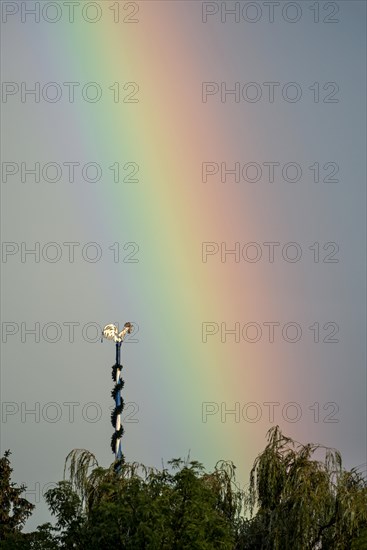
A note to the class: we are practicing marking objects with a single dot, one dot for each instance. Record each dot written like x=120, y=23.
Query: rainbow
x=170, y=212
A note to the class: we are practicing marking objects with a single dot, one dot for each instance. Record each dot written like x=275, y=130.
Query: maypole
x=110, y=332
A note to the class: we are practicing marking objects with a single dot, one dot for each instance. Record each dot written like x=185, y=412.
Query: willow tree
x=300, y=498
x=304, y=498
x=130, y=507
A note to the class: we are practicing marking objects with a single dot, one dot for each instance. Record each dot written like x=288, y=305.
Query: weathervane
x=110, y=332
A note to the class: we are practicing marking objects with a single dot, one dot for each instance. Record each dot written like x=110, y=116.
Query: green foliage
x=14, y=509
x=136, y=507
x=360, y=541
x=303, y=503
x=65, y=504
x=299, y=498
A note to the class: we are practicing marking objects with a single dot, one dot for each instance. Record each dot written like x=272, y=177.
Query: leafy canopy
x=300, y=498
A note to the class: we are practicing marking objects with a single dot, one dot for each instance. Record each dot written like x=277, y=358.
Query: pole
x=111, y=333
x=118, y=403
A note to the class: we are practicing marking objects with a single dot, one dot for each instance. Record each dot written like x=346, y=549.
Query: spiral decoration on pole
x=110, y=332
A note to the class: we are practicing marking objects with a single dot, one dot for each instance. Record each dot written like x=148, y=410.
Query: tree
x=14, y=509
x=300, y=498
x=303, y=503
x=360, y=541
x=131, y=506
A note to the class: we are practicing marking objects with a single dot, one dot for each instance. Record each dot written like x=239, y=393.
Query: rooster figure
x=110, y=332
